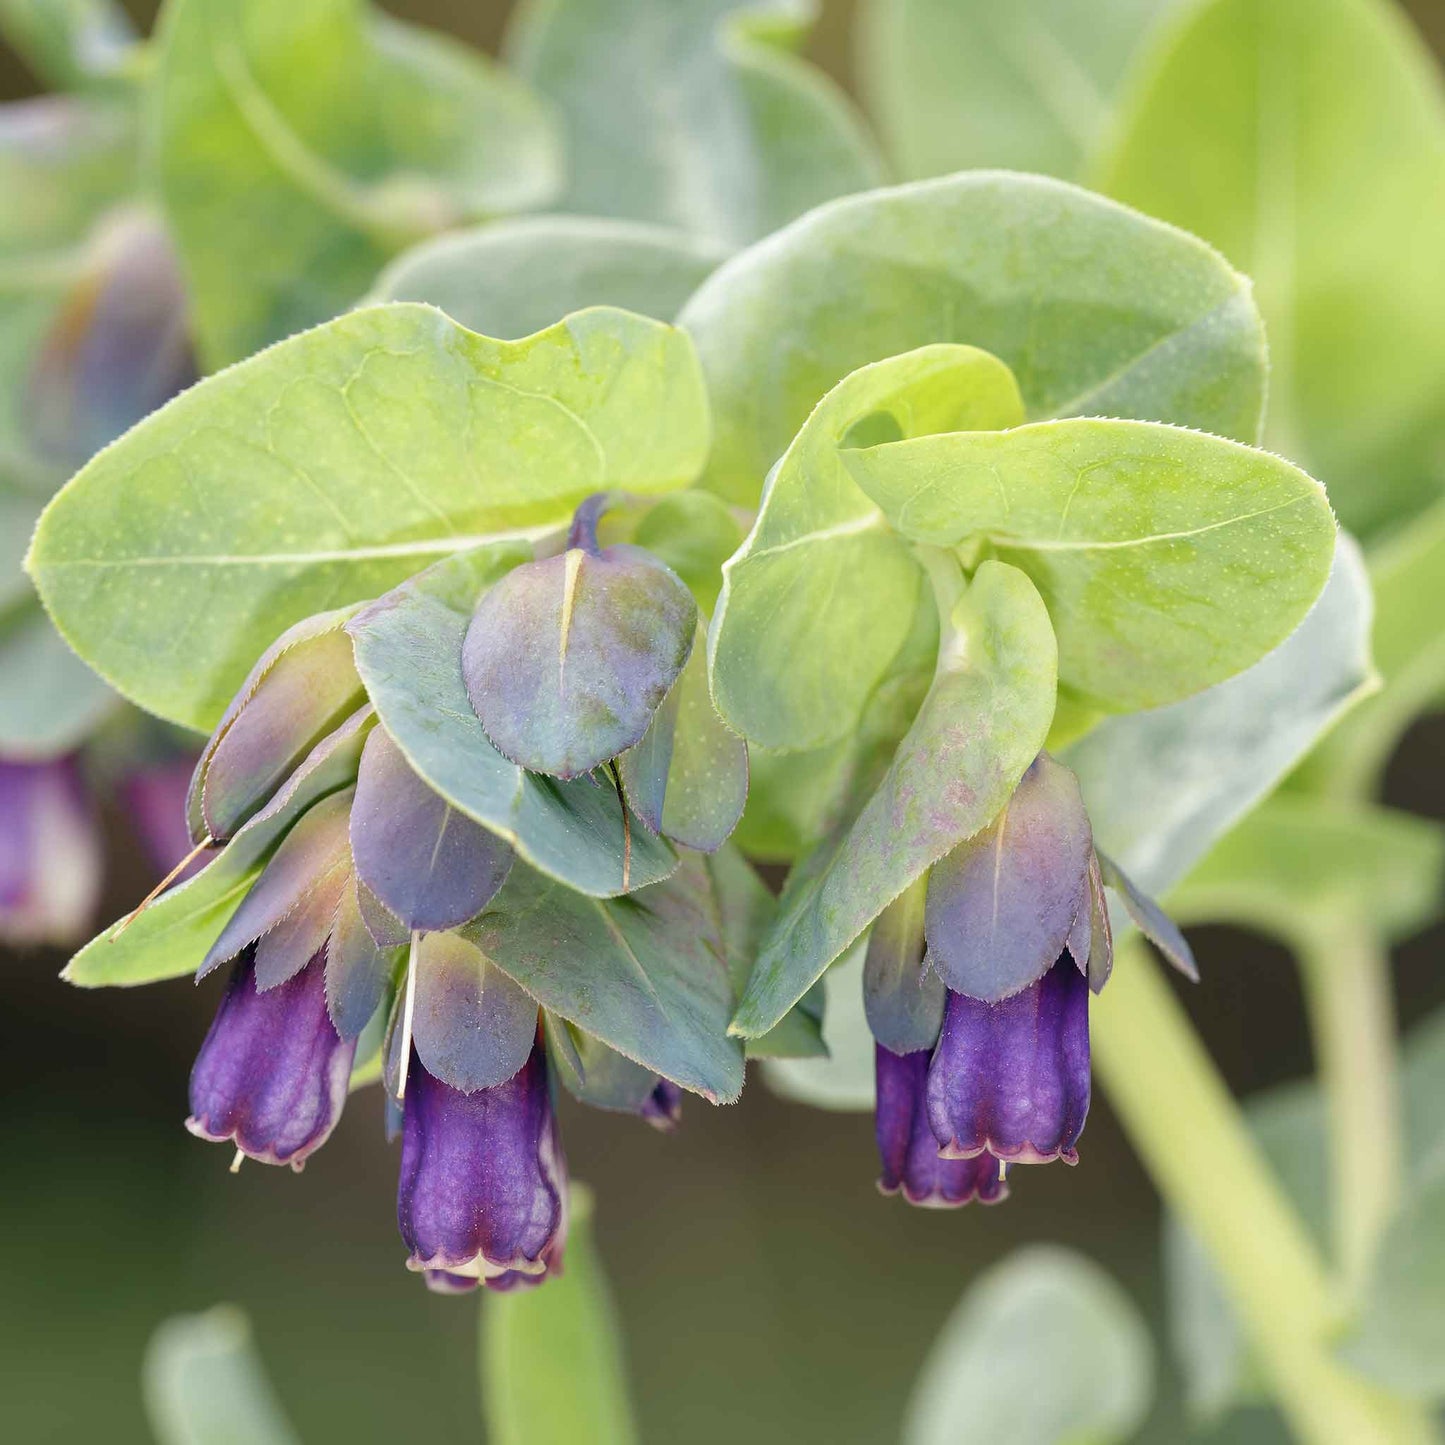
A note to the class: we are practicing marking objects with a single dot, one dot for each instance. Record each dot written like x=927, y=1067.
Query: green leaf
x=695, y=533
x=695, y=116
x=1407, y=574
x=819, y=600
x=511, y=278
x=1096, y=309
x=1306, y=139
x=1296, y=858
x=50, y=701
x=552, y=1363
x=335, y=465
x=301, y=146
x=960, y=84
x=1170, y=560
x=1044, y=1349
x=646, y=974
x=69, y=42
x=1162, y=786
x=204, y=1384
x=843, y=1082
x=408, y=651
x=173, y=935
x=983, y=722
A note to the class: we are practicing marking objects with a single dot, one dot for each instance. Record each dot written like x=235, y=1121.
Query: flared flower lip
x=296, y=1160
x=1010, y=1154
x=935, y=1199
x=479, y=1267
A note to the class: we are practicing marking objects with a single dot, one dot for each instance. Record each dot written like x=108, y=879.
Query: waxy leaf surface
x=429, y=865
x=959, y=84
x=409, y=652
x=1306, y=139
x=513, y=277
x=646, y=974
x=1170, y=560
x=301, y=146
x=174, y=934
x=566, y=659
x=983, y=722
x=1097, y=310
x=696, y=116
x=1162, y=786
x=820, y=598
x=335, y=465
x=473, y=1026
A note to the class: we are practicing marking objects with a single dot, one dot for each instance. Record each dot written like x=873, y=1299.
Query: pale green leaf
x=1032, y=86
x=173, y=935
x=69, y=42
x=552, y=1362
x=983, y=722
x=1162, y=786
x=1306, y=139
x=696, y=115
x=204, y=1384
x=1170, y=560
x=49, y=699
x=1097, y=310
x=333, y=466
x=646, y=974
x=1297, y=858
x=408, y=651
x=511, y=278
x=301, y=146
x=820, y=598
x=1044, y=1349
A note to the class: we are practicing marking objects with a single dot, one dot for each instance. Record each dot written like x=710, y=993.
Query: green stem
x=1349, y=991
x=1192, y=1138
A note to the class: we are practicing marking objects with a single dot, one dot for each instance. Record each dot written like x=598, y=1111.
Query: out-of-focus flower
x=51, y=856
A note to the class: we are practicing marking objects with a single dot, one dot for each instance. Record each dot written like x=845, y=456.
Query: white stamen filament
x=238, y=1161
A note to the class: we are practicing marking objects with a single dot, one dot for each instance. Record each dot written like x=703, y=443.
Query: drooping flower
x=912, y=1164
x=271, y=1077
x=50, y=852
x=483, y=1188
x=977, y=984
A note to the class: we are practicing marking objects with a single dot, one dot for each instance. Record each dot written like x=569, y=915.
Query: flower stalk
x=1193, y=1140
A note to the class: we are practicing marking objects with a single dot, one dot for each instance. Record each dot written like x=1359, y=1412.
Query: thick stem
x=1349, y=990
x=1192, y=1138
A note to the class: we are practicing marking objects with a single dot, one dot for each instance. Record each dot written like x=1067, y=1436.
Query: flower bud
x=272, y=1074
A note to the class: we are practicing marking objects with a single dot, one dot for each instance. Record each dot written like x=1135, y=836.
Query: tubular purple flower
x=483, y=1187
x=154, y=798
x=1012, y=1078
x=663, y=1106
x=272, y=1074
x=50, y=852
x=912, y=1164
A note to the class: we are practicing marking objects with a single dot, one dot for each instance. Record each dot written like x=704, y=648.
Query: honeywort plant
x=1307, y=142
x=967, y=623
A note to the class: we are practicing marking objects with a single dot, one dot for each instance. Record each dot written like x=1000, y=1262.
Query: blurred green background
x=765, y=1288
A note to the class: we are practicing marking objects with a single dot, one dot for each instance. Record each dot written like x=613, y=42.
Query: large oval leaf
x=335, y=465
x=820, y=598
x=692, y=115
x=409, y=653
x=511, y=278
x=1098, y=311
x=1170, y=560
x=301, y=146
x=1306, y=139
x=984, y=721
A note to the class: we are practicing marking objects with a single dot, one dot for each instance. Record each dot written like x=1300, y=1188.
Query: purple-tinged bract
x=483, y=1189
x=1012, y=1077
x=272, y=1074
